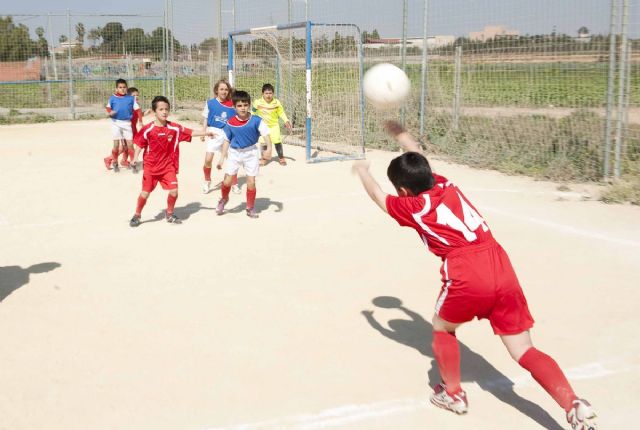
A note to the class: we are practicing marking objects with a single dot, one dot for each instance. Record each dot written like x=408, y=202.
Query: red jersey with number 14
x=442, y=216
x=161, y=145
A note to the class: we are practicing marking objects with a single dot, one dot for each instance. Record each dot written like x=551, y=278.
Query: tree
x=80, y=31
x=583, y=31
x=134, y=40
x=112, y=34
x=375, y=34
x=42, y=46
x=15, y=43
x=62, y=39
x=95, y=34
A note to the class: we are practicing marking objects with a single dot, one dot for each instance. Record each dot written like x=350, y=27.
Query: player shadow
x=262, y=204
x=14, y=277
x=417, y=333
x=182, y=212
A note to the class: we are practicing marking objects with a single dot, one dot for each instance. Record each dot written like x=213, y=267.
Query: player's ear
x=403, y=192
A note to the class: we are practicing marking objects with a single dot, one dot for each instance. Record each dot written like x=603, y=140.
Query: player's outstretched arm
x=403, y=137
x=223, y=154
x=361, y=168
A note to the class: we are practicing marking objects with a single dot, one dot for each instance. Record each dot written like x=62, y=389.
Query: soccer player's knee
x=144, y=194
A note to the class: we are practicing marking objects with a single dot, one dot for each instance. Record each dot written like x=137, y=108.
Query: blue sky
x=194, y=20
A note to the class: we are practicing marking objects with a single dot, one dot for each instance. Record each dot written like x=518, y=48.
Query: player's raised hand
x=360, y=166
x=404, y=138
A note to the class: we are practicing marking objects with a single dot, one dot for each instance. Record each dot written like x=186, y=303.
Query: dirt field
x=231, y=323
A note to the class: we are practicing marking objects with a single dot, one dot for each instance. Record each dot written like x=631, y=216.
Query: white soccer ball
x=386, y=86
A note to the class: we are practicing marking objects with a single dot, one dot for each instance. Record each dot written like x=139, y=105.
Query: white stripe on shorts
x=443, y=296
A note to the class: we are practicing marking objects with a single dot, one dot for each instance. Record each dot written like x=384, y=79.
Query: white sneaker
x=206, y=187
x=236, y=189
x=456, y=403
x=581, y=416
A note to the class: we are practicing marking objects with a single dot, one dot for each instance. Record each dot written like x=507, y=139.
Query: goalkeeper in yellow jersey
x=271, y=111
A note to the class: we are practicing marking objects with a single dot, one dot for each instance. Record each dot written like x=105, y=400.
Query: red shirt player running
x=477, y=277
x=160, y=141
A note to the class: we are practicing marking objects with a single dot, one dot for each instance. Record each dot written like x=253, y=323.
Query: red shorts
x=168, y=181
x=479, y=281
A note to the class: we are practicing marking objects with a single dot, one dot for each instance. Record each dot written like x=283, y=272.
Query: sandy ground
x=233, y=323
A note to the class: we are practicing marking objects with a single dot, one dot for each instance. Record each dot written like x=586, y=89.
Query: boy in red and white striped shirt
x=477, y=276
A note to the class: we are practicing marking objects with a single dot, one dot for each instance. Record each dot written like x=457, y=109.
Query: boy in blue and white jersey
x=120, y=108
x=241, y=138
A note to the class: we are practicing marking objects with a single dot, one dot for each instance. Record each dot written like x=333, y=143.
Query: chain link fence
x=546, y=88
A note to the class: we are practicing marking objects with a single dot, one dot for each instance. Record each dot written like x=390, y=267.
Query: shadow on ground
x=14, y=277
x=417, y=333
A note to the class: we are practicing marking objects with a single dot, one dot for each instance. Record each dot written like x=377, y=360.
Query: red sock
x=114, y=155
x=171, y=202
x=141, y=202
x=234, y=181
x=225, y=191
x=548, y=374
x=447, y=354
x=207, y=173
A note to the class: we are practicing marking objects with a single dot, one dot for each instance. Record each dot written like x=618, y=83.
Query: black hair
x=268, y=87
x=411, y=170
x=132, y=90
x=158, y=99
x=121, y=81
x=240, y=96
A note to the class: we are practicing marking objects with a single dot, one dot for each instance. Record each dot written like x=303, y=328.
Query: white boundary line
x=341, y=415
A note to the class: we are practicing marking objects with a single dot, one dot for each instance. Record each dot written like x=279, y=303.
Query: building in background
x=493, y=32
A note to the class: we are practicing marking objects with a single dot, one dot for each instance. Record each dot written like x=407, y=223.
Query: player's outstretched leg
x=251, y=197
x=548, y=374
x=280, y=152
x=142, y=200
x=449, y=394
x=225, y=189
x=171, y=203
x=208, y=162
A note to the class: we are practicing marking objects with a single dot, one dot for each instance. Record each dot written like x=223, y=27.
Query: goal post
x=317, y=72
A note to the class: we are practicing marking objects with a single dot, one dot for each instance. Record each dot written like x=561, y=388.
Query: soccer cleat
x=172, y=219
x=116, y=168
x=236, y=189
x=206, y=187
x=456, y=403
x=107, y=162
x=220, y=207
x=282, y=161
x=135, y=221
x=125, y=164
x=251, y=213
x=581, y=416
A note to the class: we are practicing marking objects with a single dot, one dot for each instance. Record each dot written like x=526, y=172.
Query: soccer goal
x=317, y=71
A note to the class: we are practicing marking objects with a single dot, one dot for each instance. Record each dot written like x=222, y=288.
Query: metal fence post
x=72, y=104
x=405, y=13
x=423, y=70
x=610, y=90
x=219, y=41
x=621, y=88
x=457, y=88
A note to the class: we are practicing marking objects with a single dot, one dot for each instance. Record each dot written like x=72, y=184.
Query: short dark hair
x=411, y=170
x=158, y=99
x=268, y=87
x=121, y=81
x=240, y=96
x=132, y=90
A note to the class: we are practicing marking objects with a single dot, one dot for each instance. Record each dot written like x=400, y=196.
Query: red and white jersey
x=442, y=216
x=161, y=145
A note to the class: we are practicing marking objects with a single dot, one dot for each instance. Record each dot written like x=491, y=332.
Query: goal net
x=316, y=70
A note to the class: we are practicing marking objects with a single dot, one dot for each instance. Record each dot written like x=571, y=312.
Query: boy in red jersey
x=478, y=279
x=160, y=140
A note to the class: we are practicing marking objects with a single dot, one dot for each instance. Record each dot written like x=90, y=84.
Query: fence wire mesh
x=546, y=88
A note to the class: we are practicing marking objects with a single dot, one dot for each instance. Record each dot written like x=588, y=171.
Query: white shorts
x=214, y=144
x=249, y=158
x=121, y=129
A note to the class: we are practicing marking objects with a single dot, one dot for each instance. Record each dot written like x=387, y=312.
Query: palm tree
x=81, y=31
